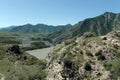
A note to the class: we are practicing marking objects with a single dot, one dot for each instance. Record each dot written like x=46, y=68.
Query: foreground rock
x=86, y=58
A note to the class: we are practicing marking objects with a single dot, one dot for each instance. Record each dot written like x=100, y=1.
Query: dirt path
x=40, y=53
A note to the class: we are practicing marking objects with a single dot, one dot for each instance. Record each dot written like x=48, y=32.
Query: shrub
x=99, y=55
x=88, y=53
x=88, y=34
x=87, y=66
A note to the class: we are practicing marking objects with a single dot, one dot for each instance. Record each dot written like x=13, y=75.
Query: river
x=40, y=53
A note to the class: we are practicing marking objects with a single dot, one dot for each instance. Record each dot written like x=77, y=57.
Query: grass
x=22, y=72
x=20, y=66
x=9, y=40
x=114, y=67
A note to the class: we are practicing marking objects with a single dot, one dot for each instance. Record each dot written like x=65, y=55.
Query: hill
x=99, y=25
x=16, y=64
x=38, y=28
x=86, y=58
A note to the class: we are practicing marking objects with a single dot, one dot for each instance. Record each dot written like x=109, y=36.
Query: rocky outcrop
x=85, y=58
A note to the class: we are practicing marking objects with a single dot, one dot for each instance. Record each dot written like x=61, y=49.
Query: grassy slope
x=20, y=66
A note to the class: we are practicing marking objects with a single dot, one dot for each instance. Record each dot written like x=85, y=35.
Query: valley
x=88, y=50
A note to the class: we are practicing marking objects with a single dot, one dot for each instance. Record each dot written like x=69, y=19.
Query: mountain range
x=38, y=28
x=99, y=25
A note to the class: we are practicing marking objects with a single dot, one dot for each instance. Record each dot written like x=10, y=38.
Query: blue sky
x=53, y=12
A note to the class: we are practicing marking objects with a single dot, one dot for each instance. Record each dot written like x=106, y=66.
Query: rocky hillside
x=86, y=58
x=99, y=25
x=38, y=28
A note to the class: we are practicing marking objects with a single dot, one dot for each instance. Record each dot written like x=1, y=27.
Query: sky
x=53, y=12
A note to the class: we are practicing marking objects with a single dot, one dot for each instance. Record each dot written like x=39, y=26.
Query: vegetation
x=118, y=54
x=88, y=53
x=69, y=41
x=21, y=72
x=87, y=66
x=18, y=65
x=9, y=40
x=15, y=61
x=35, y=45
x=68, y=57
x=114, y=67
x=99, y=55
x=97, y=25
x=38, y=28
x=83, y=58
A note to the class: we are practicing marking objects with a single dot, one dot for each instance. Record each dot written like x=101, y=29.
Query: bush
x=88, y=34
x=99, y=55
x=88, y=53
x=87, y=66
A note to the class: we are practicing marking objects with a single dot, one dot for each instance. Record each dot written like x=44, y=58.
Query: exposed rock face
x=85, y=58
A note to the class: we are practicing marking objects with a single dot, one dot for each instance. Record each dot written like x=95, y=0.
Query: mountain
x=86, y=58
x=38, y=28
x=99, y=25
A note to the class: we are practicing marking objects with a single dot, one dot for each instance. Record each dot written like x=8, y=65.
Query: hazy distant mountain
x=99, y=25
x=39, y=28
